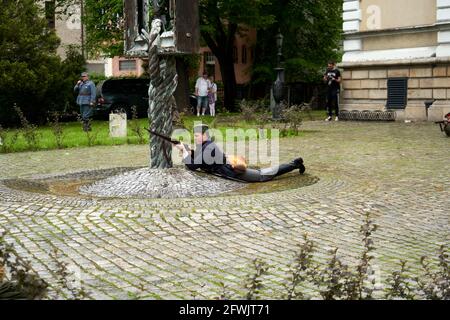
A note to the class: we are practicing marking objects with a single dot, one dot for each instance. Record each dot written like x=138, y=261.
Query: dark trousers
x=333, y=103
x=266, y=174
x=86, y=114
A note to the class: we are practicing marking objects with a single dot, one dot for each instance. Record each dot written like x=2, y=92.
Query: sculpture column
x=163, y=82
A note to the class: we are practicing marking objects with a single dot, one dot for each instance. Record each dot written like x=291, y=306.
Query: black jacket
x=209, y=158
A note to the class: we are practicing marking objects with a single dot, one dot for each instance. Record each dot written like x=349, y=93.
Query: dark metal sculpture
x=174, y=30
x=279, y=82
x=163, y=82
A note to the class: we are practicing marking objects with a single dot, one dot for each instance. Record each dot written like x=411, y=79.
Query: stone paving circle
x=184, y=248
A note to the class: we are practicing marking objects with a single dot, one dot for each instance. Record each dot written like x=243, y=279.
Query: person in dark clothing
x=333, y=79
x=208, y=157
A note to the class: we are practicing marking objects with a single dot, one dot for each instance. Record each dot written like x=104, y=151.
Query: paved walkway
x=185, y=248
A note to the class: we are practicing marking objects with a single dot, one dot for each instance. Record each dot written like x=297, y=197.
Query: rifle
x=168, y=139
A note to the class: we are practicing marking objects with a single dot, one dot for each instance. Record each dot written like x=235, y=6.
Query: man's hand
x=184, y=149
x=180, y=147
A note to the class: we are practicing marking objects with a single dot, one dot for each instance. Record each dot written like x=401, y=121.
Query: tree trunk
x=229, y=82
x=182, y=92
x=221, y=45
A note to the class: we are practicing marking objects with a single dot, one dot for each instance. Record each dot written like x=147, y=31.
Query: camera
x=330, y=79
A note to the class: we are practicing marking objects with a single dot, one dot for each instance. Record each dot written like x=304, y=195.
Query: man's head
x=205, y=75
x=201, y=133
x=84, y=76
x=331, y=64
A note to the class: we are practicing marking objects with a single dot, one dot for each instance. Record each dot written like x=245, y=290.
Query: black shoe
x=302, y=169
x=298, y=162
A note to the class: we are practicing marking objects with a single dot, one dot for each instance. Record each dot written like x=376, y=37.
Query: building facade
x=71, y=32
x=397, y=57
x=243, y=57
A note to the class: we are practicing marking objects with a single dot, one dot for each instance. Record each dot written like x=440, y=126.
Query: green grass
x=74, y=137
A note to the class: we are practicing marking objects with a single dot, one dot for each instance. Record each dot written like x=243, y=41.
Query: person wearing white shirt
x=201, y=91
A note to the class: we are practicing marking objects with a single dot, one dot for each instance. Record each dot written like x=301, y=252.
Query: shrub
x=135, y=126
x=7, y=140
x=19, y=281
x=292, y=118
x=57, y=129
x=29, y=131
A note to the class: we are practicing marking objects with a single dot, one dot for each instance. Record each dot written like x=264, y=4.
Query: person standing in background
x=332, y=78
x=201, y=91
x=212, y=96
x=87, y=95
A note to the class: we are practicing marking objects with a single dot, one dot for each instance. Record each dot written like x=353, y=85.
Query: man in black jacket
x=333, y=79
x=208, y=157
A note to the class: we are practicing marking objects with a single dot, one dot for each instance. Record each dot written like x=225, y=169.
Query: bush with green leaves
x=29, y=131
x=136, y=127
x=33, y=76
x=292, y=117
x=57, y=129
x=7, y=140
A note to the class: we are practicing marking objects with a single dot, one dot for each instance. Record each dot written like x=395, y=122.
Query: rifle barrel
x=173, y=141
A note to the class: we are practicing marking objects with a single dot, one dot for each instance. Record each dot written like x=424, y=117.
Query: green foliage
x=57, y=129
x=29, y=131
x=136, y=126
x=292, y=118
x=33, y=76
x=7, y=140
x=105, y=27
x=312, y=31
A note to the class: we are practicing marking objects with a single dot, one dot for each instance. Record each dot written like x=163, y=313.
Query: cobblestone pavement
x=185, y=248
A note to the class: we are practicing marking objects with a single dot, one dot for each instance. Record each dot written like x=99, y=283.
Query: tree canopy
x=32, y=75
x=312, y=32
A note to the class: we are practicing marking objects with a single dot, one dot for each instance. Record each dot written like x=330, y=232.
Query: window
x=127, y=65
x=397, y=93
x=252, y=54
x=244, y=54
x=50, y=14
x=235, y=54
x=209, y=58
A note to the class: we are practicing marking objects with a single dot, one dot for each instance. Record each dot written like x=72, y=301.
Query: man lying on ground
x=208, y=157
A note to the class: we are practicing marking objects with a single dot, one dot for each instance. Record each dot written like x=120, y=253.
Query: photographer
x=86, y=99
x=333, y=79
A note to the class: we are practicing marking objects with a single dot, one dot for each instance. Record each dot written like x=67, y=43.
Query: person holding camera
x=86, y=99
x=332, y=78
